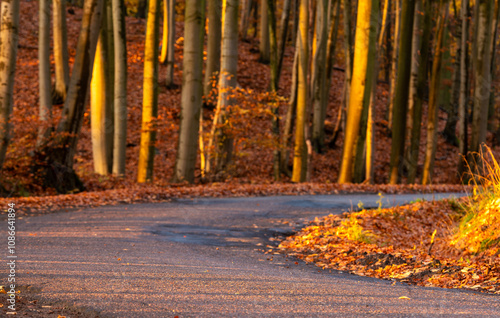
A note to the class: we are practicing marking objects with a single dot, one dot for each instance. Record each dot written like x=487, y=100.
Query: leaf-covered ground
x=411, y=244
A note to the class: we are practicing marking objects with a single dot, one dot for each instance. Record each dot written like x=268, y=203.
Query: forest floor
x=251, y=174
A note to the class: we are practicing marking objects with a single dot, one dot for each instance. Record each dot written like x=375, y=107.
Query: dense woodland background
x=48, y=152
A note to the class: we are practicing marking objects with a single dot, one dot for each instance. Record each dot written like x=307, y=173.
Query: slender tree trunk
x=9, y=35
x=394, y=60
x=120, y=88
x=300, y=153
x=482, y=76
x=421, y=33
x=464, y=88
x=290, y=114
x=45, y=106
x=400, y=103
x=264, y=34
x=285, y=17
x=246, y=11
x=61, y=58
x=319, y=89
x=360, y=84
x=213, y=51
x=169, y=78
x=494, y=34
x=150, y=96
x=432, y=117
x=221, y=138
x=192, y=87
x=55, y=161
x=273, y=48
x=349, y=53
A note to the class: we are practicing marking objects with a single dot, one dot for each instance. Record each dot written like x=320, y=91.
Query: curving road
x=201, y=258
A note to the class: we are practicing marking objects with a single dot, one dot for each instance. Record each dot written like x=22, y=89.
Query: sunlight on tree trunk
x=61, y=58
x=192, y=87
x=300, y=153
x=150, y=96
x=394, y=60
x=360, y=89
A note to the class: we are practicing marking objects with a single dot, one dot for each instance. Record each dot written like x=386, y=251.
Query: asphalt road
x=199, y=258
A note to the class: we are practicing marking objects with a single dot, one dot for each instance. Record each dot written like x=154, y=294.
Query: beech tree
x=120, y=87
x=9, y=35
x=149, y=96
x=264, y=34
x=400, y=104
x=167, y=51
x=360, y=88
x=192, y=88
x=55, y=160
x=220, y=139
x=213, y=47
x=45, y=91
x=61, y=58
x=300, y=153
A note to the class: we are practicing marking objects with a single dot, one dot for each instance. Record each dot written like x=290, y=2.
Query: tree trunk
x=300, y=153
x=150, y=96
x=264, y=34
x=432, y=117
x=55, y=160
x=246, y=11
x=319, y=89
x=464, y=88
x=101, y=105
x=221, y=138
x=45, y=106
x=290, y=114
x=169, y=77
x=285, y=17
x=192, y=87
x=494, y=34
x=400, y=104
x=273, y=49
x=349, y=53
x=213, y=51
x=418, y=83
x=482, y=77
x=360, y=84
x=120, y=88
x=61, y=58
x=9, y=35
x=394, y=60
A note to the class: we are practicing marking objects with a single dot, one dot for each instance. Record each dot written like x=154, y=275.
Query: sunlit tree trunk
x=264, y=34
x=221, y=138
x=432, y=119
x=45, y=101
x=192, y=88
x=170, y=57
x=319, y=89
x=300, y=153
x=61, y=58
x=9, y=35
x=57, y=158
x=150, y=96
x=213, y=50
x=418, y=83
x=120, y=88
x=400, y=104
x=360, y=90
